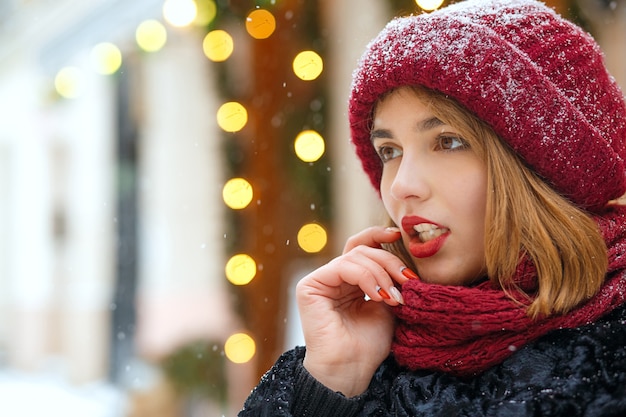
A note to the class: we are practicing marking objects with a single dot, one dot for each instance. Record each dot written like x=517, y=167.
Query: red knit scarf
x=464, y=331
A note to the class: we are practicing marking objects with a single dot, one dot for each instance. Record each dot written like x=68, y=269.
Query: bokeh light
x=151, y=35
x=207, y=10
x=260, y=24
x=69, y=82
x=179, y=13
x=309, y=146
x=240, y=269
x=429, y=4
x=237, y=193
x=312, y=238
x=232, y=116
x=308, y=65
x=106, y=58
x=218, y=45
x=239, y=348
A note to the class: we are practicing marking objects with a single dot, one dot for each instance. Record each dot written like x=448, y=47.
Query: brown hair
x=525, y=217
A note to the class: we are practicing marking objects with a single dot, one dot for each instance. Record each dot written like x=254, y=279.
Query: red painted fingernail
x=383, y=293
x=409, y=273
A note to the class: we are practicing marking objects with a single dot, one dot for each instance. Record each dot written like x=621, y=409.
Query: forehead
x=404, y=91
x=397, y=97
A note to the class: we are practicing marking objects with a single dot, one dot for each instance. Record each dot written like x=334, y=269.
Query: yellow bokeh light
x=312, y=238
x=240, y=269
x=69, y=82
x=239, y=348
x=237, y=193
x=207, y=10
x=260, y=24
x=308, y=65
x=218, y=45
x=151, y=35
x=429, y=4
x=309, y=146
x=179, y=13
x=232, y=116
x=106, y=58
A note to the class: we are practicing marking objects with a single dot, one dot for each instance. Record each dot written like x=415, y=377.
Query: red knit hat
x=538, y=80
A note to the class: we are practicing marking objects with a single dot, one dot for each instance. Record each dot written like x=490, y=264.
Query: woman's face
x=434, y=188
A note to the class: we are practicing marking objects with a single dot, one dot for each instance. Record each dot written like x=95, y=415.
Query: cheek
x=473, y=196
x=385, y=196
x=470, y=185
x=472, y=201
x=478, y=200
x=389, y=209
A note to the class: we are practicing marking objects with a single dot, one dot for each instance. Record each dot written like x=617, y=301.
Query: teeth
x=428, y=231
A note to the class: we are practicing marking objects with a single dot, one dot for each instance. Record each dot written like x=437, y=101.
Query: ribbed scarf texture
x=464, y=331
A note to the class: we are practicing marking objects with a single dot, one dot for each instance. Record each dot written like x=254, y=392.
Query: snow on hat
x=538, y=80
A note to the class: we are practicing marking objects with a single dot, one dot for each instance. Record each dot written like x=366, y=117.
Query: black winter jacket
x=569, y=372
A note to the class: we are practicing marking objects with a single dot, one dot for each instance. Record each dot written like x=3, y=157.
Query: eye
x=450, y=143
x=387, y=153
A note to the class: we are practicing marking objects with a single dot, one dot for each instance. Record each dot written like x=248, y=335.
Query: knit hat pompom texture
x=538, y=80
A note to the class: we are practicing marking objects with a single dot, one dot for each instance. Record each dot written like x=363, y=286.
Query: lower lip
x=421, y=249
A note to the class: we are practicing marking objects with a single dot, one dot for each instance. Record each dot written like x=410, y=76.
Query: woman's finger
x=373, y=271
x=372, y=237
x=394, y=266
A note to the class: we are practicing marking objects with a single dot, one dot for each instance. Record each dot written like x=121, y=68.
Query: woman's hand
x=347, y=337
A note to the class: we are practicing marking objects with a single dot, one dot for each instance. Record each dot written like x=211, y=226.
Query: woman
x=496, y=139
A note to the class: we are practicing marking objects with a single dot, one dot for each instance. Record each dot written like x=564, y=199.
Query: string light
x=151, y=35
x=260, y=24
x=179, y=13
x=218, y=45
x=237, y=193
x=429, y=5
x=239, y=348
x=308, y=65
x=309, y=146
x=207, y=10
x=106, y=58
x=69, y=82
x=240, y=269
x=312, y=238
x=232, y=116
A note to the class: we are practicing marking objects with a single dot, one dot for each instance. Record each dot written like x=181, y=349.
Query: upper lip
x=408, y=223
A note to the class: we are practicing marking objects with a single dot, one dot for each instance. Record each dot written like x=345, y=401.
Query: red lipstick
x=417, y=248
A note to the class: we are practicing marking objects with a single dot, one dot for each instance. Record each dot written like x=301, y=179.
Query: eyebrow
x=422, y=126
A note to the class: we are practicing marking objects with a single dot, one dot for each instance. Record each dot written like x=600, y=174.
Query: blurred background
x=168, y=170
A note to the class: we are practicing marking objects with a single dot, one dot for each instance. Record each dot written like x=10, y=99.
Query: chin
x=440, y=278
x=430, y=274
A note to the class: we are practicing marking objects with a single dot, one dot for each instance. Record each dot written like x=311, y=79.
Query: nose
x=410, y=180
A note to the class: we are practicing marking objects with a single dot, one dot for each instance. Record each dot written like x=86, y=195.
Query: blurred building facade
x=112, y=224
x=113, y=233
